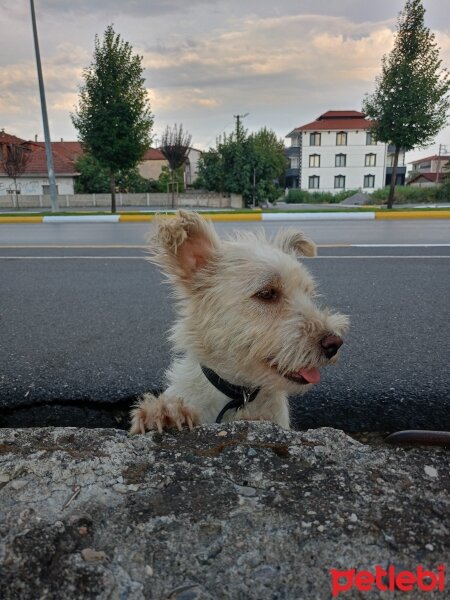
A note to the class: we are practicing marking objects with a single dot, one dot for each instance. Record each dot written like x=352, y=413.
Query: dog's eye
x=268, y=294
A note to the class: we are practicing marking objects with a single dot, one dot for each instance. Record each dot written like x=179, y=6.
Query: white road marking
x=144, y=247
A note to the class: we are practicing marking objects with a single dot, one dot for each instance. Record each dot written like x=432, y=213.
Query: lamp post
x=48, y=145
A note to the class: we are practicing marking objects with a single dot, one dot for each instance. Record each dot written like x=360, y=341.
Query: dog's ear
x=184, y=244
x=291, y=240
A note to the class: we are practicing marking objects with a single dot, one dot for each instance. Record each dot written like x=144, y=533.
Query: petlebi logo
x=388, y=580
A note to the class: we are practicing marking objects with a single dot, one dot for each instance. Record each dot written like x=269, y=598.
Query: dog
x=249, y=332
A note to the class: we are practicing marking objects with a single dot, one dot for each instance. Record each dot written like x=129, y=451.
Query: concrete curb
x=414, y=214
x=257, y=216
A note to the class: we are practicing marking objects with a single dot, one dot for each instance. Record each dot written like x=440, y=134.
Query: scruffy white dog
x=248, y=333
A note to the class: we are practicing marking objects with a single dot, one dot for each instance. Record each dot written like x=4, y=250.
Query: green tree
x=269, y=164
x=95, y=179
x=168, y=178
x=443, y=193
x=250, y=165
x=410, y=102
x=113, y=117
x=92, y=178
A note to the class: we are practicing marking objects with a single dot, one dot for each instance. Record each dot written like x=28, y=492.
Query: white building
x=337, y=152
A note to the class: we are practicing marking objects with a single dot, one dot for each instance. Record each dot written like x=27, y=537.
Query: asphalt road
x=84, y=320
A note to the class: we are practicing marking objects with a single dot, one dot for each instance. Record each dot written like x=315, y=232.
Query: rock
x=357, y=199
x=196, y=515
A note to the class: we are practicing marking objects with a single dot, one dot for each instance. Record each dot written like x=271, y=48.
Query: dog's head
x=247, y=305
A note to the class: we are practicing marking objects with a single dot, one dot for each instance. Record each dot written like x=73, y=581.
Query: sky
x=284, y=63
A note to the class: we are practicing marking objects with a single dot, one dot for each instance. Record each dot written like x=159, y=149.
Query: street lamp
x=48, y=144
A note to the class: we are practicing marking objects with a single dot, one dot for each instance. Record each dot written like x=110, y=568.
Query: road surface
x=84, y=322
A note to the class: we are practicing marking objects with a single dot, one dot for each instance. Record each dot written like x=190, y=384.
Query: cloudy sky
x=282, y=62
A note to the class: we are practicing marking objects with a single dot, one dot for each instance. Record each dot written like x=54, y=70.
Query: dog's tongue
x=311, y=375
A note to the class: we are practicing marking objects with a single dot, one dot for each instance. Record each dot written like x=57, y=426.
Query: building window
x=294, y=162
x=369, y=181
x=314, y=139
x=295, y=141
x=341, y=138
x=370, y=139
x=340, y=160
x=339, y=182
x=371, y=160
x=314, y=182
x=314, y=160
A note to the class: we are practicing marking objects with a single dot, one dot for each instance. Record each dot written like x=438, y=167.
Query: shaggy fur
x=246, y=309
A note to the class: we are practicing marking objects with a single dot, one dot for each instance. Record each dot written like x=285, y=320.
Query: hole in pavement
x=74, y=413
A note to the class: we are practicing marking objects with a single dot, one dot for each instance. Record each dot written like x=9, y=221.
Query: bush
x=407, y=195
x=306, y=197
x=443, y=192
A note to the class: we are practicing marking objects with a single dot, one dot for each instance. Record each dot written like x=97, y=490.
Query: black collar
x=239, y=394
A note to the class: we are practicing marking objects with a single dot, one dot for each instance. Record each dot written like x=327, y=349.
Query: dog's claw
x=162, y=413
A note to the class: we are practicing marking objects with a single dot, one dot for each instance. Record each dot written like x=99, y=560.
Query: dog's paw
x=164, y=412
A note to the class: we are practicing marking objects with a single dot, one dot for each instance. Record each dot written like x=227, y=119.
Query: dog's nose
x=331, y=344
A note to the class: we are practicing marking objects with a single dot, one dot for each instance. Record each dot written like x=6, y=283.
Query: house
x=429, y=171
x=34, y=179
x=337, y=151
x=426, y=179
x=152, y=164
x=191, y=166
x=154, y=161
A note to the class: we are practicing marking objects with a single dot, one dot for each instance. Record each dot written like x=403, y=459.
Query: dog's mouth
x=302, y=376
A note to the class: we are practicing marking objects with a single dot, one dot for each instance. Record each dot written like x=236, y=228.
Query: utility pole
x=238, y=122
x=48, y=145
x=442, y=149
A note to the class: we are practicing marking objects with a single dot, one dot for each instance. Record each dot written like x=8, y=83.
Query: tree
x=175, y=145
x=410, y=103
x=94, y=179
x=250, y=165
x=443, y=193
x=113, y=117
x=269, y=164
x=15, y=162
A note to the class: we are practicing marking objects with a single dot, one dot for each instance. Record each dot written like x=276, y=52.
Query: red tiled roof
x=70, y=150
x=429, y=158
x=337, y=120
x=37, y=165
x=7, y=138
x=342, y=114
x=428, y=177
x=154, y=154
x=65, y=155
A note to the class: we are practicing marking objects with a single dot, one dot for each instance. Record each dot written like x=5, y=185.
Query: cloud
x=302, y=47
x=205, y=60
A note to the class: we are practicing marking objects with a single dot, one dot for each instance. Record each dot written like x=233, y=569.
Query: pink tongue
x=311, y=375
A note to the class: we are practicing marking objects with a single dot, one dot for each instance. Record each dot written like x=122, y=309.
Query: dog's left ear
x=291, y=240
